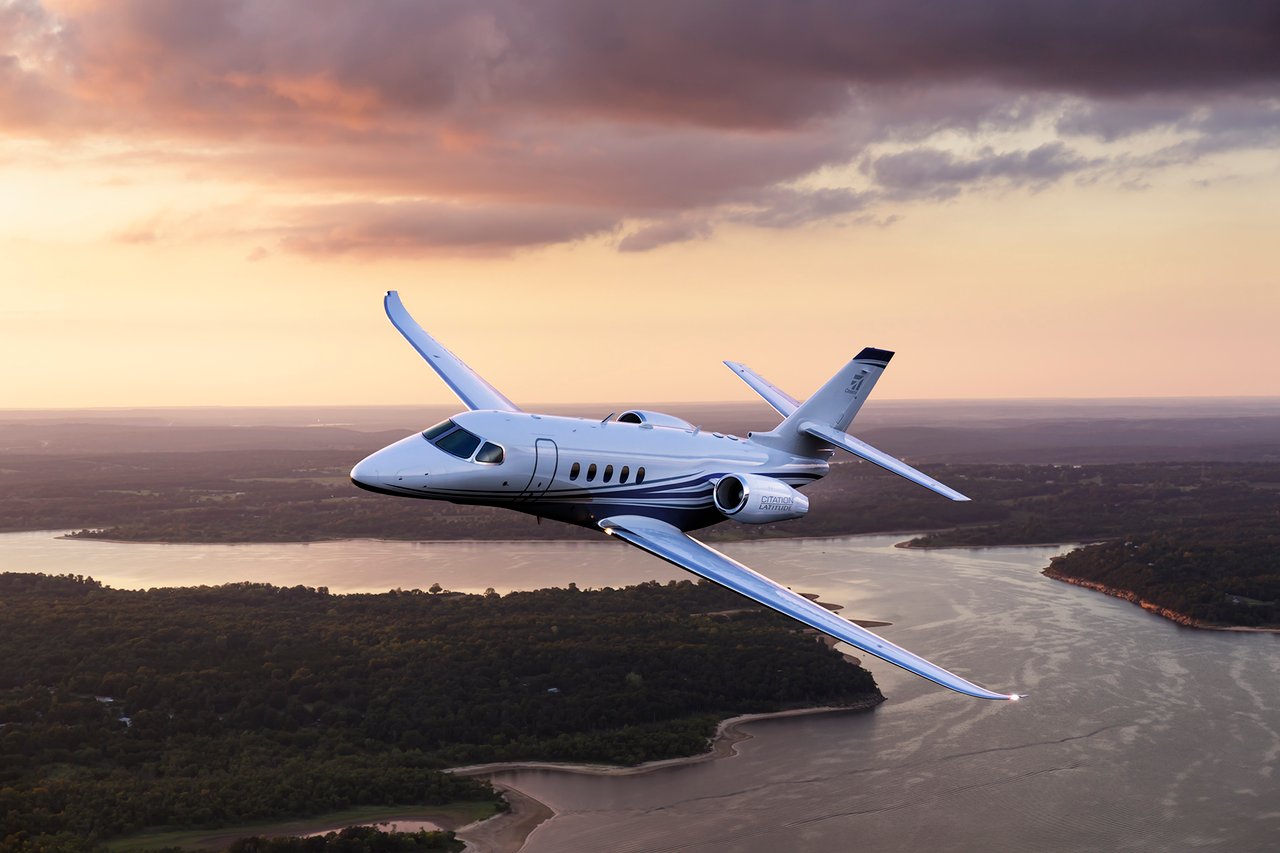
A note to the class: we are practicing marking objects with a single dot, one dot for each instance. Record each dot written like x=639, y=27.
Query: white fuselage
x=647, y=478
x=580, y=471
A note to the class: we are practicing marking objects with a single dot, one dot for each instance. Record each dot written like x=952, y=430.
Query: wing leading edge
x=472, y=390
x=671, y=544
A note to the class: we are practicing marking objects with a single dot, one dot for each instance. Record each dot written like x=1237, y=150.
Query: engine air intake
x=756, y=499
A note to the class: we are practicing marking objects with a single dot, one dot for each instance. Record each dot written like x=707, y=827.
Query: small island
x=128, y=715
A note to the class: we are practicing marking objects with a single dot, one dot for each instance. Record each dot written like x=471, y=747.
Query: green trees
x=1227, y=573
x=122, y=710
x=355, y=839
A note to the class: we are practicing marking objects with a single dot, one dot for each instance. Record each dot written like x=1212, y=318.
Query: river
x=1137, y=734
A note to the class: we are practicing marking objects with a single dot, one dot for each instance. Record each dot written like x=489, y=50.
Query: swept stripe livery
x=648, y=481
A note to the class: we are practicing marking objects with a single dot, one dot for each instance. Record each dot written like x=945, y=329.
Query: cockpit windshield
x=432, y=433
x=459, y=442
x=453, y=439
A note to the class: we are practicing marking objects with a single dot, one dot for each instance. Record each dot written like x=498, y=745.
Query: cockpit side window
x=460, y=443
x=490, y=453
x=432, y=433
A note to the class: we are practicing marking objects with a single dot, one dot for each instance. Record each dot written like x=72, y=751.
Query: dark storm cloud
x=676, y=115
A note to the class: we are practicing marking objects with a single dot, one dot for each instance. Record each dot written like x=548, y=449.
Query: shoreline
x=62, y=533
x=1075, y=543
x=508, y=832
x=68, y=535
x=721, y=745
x=1151, y=607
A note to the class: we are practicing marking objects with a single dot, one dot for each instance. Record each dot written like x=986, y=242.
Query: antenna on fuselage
x=608, y=417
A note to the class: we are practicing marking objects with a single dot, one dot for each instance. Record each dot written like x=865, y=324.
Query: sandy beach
x=506, y=833
x=509, y=830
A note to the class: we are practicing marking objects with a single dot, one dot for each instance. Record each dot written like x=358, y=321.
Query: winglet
x=471, y=389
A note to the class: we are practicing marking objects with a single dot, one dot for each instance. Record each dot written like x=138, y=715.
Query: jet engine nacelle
x=756, y=499
x=640, y=416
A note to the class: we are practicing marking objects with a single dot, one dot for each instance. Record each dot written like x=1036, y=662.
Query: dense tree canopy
x=122, y=710
x=1227, y=574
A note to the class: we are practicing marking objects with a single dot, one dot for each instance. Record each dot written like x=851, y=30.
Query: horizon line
x=900, y=400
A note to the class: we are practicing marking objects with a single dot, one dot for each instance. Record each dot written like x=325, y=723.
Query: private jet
x=649, y=478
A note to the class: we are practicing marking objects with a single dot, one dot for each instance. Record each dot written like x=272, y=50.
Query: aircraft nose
x=366, y=472
x=385, y=470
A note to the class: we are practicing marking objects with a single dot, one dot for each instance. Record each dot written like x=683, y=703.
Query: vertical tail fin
x=822, y=421
x=837, y=402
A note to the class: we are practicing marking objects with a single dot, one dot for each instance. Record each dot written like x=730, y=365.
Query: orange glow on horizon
x=197, y=211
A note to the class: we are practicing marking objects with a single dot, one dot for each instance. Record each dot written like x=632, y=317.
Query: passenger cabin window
x=608, y=473
x=622, y=476
x=575, y=471
x=490, y=453
x=591, y=472
x=640, y=475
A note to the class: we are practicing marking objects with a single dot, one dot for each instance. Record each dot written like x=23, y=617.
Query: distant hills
x=1021, y=431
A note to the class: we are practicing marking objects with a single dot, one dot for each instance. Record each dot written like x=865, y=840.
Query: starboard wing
x=673, y=545
x=781, y=401
x=472, y=390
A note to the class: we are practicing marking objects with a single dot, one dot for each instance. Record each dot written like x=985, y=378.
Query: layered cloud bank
x=469, y=127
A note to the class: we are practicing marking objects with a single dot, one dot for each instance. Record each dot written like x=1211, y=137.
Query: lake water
x=367, y=565
x=1137, y=734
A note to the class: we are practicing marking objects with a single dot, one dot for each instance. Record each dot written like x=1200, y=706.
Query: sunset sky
x=202, y=202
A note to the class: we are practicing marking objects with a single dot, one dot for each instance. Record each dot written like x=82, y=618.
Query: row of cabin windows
x=625, y=474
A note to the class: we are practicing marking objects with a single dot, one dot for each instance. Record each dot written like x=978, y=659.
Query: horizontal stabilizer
x=473, y=391
x=844, y=441
x=671, y=544
x=783, y=402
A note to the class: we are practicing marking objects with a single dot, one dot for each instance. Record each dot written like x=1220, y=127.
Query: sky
x=202, y=202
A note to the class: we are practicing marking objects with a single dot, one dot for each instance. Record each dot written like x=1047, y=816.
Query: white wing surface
x=783, y=402
x=844, y=441
x=671, y=544
x=473, y=391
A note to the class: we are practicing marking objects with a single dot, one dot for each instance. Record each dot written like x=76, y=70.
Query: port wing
x=671, y=544
x=473, y=391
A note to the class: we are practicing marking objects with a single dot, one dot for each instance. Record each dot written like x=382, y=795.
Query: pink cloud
x=592, y=114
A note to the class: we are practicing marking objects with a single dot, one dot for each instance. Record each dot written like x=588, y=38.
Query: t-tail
x=823, y=420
